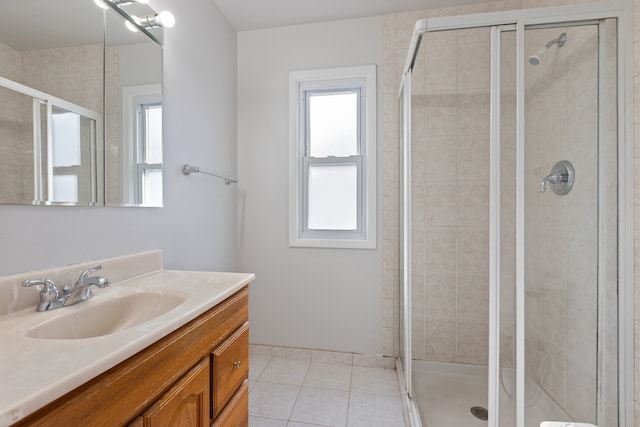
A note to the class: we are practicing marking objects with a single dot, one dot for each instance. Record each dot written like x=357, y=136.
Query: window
x=142, y=145
x=149, y=166
x=71, y=171
x=332, y=192
x=66, y=155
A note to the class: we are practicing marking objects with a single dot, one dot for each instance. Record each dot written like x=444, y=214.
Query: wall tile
x=442, y=66
x=440, y=342
x=441, y=203
x=473, y=197
x=473, y=112
x=474, y=61
x=473, y=157
x=440, y=294
x=473, y=296
x=441, y=158
x=441, y=248
x=442, y=113
x=473, y=249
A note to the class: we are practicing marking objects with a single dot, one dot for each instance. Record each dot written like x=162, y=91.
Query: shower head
x=535, y=59
x=560, y=41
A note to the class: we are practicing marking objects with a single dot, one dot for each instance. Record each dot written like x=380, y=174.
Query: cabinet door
x=186, y=404
x=236, y=413
x=230, y=368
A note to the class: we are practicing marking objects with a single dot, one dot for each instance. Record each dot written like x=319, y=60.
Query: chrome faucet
x=51, y=297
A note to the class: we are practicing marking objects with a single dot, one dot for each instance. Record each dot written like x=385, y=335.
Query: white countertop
x=34, y=371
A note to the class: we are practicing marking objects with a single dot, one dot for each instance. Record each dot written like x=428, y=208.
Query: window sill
x=333, y=243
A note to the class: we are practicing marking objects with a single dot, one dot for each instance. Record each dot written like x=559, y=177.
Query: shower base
x=446, y=392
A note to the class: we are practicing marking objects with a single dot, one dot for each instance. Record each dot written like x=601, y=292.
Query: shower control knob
x=560, y=179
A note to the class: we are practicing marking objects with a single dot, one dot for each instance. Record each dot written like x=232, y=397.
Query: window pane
x=332, y=203
x=152, y=187
x=333, y=125
x=65, y=188
x=154, y=133
x=66, y=138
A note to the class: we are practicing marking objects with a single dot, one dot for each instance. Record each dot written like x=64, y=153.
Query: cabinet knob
x=237, y=364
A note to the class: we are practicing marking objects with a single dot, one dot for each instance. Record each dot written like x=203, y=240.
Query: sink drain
x=480, y=413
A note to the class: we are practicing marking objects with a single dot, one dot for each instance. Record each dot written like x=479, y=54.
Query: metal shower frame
x=509, y=21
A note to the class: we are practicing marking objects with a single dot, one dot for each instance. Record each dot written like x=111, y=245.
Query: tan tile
x=473, y=112
x=441, y=203
x=473, y=199
x=442, y=66
x=441, y=248
x=474, y=64
x=441, y=158
x=473, y=249
x=472, y=339
x=473, y=157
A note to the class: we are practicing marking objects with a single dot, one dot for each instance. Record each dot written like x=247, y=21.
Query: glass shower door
x=570, y=224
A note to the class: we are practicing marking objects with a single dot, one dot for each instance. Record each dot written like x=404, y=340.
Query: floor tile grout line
x=299, y=391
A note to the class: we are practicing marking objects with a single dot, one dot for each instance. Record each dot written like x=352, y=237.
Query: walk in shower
x=515, y=229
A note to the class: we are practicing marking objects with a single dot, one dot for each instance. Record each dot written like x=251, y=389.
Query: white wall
x=196, y=228
x=313, y=298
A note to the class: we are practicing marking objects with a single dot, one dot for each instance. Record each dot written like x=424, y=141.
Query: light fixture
x=100, y=4
x=156, y=20
x=125, y=2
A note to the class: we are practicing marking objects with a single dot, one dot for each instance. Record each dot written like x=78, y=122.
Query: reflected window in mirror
x=133, y=101
x=73, y=171
x=149, y=149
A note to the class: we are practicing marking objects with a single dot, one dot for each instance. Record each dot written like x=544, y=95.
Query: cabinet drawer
x=230, y=367
x=236, y=414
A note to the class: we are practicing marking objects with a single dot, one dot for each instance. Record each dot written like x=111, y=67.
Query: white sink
x=95, y=318
x=71, y=345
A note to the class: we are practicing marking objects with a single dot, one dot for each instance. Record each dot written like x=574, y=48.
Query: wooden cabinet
x=170, y=383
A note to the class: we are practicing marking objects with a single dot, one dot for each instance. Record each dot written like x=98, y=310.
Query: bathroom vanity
x=185, y=364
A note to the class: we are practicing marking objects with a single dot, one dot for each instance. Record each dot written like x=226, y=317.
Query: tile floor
x=313, y=388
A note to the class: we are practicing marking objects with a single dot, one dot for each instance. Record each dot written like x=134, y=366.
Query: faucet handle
x=85, y=274
x=49, y=289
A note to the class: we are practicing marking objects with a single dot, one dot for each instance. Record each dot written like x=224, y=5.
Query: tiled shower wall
x=74, y=74
x=448, y=325
x=16, y=142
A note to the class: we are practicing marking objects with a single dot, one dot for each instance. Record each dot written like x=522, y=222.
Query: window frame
x=142, y=105
x=361, y=79
x=132, y=164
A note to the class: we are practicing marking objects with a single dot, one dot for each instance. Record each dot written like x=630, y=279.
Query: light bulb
x=130, y=26
x=165, y=19
x=142, y=1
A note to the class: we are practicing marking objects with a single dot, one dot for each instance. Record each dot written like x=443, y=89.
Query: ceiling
x=256, y=14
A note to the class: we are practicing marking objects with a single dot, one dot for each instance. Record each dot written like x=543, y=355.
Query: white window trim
x=129, y=174
x=369, y=147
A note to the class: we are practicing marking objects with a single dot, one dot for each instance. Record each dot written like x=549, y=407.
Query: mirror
x=80, y=105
